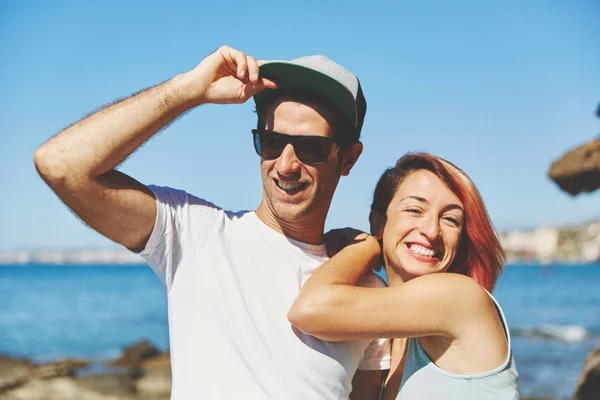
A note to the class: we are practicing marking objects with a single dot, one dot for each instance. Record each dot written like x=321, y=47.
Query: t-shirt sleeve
x=379, y=353
x=377, y=356
x=182, y=220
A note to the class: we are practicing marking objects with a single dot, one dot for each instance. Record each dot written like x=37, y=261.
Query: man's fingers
x=252, y=69
x=267, y=83
x=246, y=69
x=241, y=63
x=250, y=89
x=235, y=61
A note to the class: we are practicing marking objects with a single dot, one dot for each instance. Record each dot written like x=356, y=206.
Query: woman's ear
x=377, y=223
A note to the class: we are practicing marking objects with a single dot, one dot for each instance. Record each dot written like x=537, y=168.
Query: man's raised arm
x=79, y=163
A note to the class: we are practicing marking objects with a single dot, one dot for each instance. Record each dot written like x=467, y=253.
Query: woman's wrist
x=370, y=244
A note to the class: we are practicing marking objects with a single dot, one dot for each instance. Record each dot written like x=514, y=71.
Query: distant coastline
x=61, y=257
x=577, y=245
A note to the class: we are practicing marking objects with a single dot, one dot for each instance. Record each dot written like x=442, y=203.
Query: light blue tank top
x=422, y=379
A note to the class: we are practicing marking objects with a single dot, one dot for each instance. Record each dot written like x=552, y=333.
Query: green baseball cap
x=320, y=76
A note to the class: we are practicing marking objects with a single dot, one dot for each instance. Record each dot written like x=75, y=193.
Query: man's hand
x=226, y=76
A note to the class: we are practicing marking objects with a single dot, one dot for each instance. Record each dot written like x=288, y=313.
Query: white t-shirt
x=230, y=282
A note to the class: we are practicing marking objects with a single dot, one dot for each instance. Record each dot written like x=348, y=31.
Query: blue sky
x=500, y=88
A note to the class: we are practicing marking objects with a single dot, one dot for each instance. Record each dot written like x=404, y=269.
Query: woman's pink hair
x=480, y=254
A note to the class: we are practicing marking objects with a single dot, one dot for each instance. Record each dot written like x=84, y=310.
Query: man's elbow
x=47, y=165
x=55, y=170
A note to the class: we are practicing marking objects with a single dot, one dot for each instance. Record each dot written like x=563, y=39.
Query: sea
x=49, y=312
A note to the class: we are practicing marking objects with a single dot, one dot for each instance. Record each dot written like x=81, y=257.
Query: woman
x=442, y=259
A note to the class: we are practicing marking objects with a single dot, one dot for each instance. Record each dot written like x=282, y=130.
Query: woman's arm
x=329, y=307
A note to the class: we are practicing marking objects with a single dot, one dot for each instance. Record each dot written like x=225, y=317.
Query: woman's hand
x=337, y=239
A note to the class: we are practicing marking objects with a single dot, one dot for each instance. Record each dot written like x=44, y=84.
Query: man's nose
x=288, y=162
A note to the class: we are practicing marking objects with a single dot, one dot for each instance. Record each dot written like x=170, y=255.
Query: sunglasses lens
x=312, y=150
x=269, y=145
x=309, y=150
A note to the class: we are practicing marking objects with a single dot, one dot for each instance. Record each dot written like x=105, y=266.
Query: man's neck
x=307, y=229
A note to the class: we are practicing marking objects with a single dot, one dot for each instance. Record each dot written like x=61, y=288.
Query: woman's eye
x=413, y=210
x=453, y=220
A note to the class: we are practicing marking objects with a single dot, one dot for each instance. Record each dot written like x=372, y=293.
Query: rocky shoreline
x=144, y=372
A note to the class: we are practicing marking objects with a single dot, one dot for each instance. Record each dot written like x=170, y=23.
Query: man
x=231, y=277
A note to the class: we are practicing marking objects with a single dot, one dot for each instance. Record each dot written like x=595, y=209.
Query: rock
x=161, y=361
x=537, y=398
x=60, y=368
x=144, y=373
x=108, y=385
x=148, y=369
x=578, y=170
x=148, y=379
x=14, y=372
x=588, y=386
x=156, y=377
x=56, y=389
x=155, y=382
x=134, y=355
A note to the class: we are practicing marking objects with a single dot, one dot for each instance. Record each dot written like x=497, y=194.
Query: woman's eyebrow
x=418, y=198
x=452, y=206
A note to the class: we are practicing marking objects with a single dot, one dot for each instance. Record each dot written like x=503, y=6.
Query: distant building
x=552, y=244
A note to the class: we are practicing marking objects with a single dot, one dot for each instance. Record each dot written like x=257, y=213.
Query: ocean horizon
x=93, y=311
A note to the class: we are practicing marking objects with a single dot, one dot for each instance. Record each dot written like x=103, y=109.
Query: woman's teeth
x=418, y=249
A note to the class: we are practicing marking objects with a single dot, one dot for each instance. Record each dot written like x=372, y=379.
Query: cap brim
x=293, y=77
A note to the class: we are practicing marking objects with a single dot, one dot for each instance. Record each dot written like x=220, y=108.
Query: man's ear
x=377, y=223
x=350, y=157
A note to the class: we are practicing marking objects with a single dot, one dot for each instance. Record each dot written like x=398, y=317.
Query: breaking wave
x=564, y=333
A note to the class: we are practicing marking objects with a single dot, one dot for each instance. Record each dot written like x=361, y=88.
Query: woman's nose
x=430, y=228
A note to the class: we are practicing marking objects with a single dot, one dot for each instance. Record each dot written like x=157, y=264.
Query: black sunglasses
x=311, y=150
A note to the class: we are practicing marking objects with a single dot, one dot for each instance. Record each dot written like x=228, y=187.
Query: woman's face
x=423, y=228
